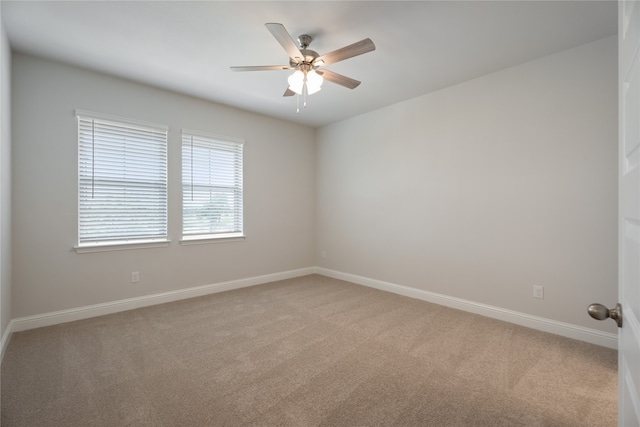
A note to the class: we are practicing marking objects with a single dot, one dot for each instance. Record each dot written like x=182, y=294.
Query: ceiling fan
x=308, y=76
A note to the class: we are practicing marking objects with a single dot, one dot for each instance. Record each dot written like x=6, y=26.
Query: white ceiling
x=188, y=47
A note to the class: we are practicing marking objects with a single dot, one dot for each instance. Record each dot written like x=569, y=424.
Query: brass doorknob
x=600, y=312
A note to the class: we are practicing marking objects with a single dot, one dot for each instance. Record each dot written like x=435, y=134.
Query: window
x=122, y=181
x=211, y=186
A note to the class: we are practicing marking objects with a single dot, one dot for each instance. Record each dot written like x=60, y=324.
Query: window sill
x=204, y=240
x=121, y=246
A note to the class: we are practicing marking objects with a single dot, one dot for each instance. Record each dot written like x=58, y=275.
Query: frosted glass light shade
x=314, y=82
x=296, y=81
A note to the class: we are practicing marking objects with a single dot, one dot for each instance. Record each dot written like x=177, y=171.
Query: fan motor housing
x=309, y=56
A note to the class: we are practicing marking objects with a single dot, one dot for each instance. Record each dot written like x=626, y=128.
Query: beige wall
x=48, y=275
x=484, y=189
x=5, y=182
x=478, y=191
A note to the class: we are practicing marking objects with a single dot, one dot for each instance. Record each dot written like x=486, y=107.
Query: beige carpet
x=311, y=351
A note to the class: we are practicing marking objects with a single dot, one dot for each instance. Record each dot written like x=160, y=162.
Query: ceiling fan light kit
x=299, y=81
x=307, y=78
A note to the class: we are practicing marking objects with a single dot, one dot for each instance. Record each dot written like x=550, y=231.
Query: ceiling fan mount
x=307, y=60
x=305, y=40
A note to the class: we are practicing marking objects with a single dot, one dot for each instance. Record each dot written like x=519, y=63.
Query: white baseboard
x=534, y=322
x=547, y=325
x=63, y=316
x=6, y=336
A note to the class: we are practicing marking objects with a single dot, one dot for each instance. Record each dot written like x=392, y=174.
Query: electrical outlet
x=323, y=254
x=538, y=291
x=135, y=277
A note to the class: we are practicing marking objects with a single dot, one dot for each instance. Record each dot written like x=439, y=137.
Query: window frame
x=235, y=145
x=132, y=242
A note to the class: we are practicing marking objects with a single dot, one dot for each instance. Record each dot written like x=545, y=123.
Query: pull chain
x=304, y=90
x=304, y=96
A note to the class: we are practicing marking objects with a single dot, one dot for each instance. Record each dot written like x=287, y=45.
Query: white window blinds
x=211, y=186
x=122, y=181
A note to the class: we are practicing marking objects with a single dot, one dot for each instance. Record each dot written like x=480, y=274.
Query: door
x=629, y=211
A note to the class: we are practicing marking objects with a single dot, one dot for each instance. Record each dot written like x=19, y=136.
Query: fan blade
x=261, y=68
x=286, y=41
x=339, y=79
x=358, y=48
x=288, y=92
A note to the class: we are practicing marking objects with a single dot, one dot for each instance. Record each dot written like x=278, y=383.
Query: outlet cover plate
x=538, y=291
